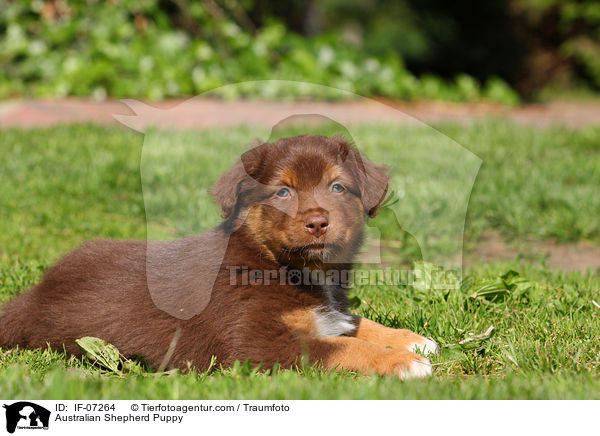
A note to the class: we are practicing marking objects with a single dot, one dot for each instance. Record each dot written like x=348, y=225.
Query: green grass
x=63, y=185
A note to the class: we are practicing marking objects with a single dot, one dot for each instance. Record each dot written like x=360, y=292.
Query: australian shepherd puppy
x=268, y=284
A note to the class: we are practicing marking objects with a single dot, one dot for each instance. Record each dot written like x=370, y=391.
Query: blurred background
x=506, y=51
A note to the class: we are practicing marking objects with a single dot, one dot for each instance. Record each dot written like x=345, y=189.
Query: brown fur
x=102, y=288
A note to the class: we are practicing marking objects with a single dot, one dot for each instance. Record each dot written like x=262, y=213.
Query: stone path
x=201, y=113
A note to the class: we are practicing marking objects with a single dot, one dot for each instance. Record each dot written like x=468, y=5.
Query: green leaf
x=474, y=343
x=100, y=352
x=510, y=284
x=133, y=367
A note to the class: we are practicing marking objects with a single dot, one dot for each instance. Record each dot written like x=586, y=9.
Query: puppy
x=294, y=212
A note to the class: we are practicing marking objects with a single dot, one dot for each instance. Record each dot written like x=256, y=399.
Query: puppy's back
x=79, y=296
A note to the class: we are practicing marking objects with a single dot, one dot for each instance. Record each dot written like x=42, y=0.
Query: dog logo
x=26, y=415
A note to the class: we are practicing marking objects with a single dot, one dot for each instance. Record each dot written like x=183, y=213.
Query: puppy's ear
x=227, y=188
x=239, y=179
x=373, y=187
x=372, y=178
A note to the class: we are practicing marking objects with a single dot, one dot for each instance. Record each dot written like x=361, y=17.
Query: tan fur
x=386, y=337
x=301, y=322
x=358, y=355
x=288, y=177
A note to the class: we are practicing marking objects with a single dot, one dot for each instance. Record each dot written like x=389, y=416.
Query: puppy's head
x=304, y=198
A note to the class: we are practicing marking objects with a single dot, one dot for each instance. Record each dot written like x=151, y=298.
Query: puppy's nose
x=316, y=224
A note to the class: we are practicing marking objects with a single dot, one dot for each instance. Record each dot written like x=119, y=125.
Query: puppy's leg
x=365, y=357
x=400, y=339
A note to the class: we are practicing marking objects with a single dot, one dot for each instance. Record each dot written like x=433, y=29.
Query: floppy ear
x=373, y=187
x=228, y=189
x=372, y=178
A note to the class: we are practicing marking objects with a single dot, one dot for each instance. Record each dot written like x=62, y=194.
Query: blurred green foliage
x=578, y=25
x=155, y=50
x=432, y=49
x=534, y=45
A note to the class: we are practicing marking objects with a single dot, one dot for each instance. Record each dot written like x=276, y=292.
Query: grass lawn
x=64, y=185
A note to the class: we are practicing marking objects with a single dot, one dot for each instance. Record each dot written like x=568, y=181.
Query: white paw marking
x=426, y=347
x=417, y=369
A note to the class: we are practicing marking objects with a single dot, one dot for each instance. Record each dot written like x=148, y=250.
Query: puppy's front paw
x=419, y=367
x=424, y=346
x=405, y=364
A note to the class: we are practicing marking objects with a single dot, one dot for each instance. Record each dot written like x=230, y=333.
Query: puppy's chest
x=325, y=320
x=331, y=322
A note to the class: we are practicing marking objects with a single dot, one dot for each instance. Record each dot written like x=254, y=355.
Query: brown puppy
x=294, y=215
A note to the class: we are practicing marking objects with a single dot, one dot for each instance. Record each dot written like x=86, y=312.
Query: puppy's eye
x=337, y=187
x=283, y=193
